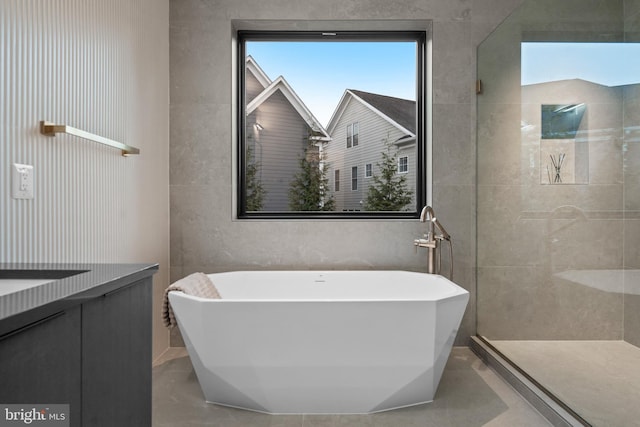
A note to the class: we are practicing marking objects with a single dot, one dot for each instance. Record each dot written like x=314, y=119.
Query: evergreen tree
x=254, y=191
x=308, y=190
x=389, y=190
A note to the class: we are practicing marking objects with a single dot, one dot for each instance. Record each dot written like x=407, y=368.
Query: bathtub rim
x=318, y=300
x=456, y=289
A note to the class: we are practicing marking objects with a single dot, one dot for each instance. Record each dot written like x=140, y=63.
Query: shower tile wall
x=204, y=234
x=632, y=209
x=533, y=238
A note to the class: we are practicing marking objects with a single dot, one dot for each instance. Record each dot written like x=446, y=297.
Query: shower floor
x=599, y=380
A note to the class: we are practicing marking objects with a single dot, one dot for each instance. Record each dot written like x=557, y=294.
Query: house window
x=352, y=134
x=368, y=170
x=301, y=133
x=403, y=164
x=354, y=178
x=355, y=133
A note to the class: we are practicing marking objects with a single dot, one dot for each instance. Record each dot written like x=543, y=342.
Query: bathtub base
x=315, y=394
x=314, y=390
x=387, y=366
x=318, y=413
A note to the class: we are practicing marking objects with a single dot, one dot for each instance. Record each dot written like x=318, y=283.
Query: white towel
x=197, y=284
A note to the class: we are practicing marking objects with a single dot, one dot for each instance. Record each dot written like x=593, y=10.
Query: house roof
x=401, y=113
x=258, y=72
x=281, y=84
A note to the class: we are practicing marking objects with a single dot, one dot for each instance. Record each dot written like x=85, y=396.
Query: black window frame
x=422, y=97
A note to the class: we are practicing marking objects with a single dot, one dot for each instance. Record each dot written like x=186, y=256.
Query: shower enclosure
x=559, y=201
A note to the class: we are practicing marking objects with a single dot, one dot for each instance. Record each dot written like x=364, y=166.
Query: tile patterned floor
x=470, y=394
x=600, y=380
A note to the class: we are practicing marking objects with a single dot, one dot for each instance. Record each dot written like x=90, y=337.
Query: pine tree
x=308, y=190
x=254, y=191
x=389, y=190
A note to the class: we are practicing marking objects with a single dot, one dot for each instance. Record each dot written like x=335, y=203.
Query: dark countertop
x=25, y=306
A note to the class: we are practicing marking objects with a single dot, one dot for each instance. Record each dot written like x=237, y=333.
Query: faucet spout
x=427, y=210
x=428, y=214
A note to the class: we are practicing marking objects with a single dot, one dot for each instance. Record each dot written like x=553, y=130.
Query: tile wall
x=205, y=236
x=536, y=241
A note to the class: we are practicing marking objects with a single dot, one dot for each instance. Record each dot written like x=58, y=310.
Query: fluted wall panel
x=93, y=65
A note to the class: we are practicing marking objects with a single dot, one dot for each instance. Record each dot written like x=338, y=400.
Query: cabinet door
x=116, y=368
x=39, y=363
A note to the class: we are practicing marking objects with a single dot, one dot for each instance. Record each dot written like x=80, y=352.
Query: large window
x=298, y=104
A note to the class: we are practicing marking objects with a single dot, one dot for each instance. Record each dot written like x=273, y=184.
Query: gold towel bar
x=50, y=129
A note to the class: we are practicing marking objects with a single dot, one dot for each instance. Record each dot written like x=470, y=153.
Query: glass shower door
x=559, y=200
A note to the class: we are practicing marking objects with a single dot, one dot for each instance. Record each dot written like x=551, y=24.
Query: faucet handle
x=424, y=243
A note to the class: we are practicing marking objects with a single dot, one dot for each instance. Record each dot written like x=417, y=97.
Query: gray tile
x=499, y=150
x=524, y=303
x=200, y=65
x=320, y=421
x=354, y=421
x=632, y=319
x=454, y=64
x=600, y=380
x=453, y=155
x=195, y=158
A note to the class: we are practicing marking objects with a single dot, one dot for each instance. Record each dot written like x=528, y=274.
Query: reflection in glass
x=564, y=157
x=561, y=121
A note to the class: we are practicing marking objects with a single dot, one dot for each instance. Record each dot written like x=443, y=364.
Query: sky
x=320, y=72
x=610, y=64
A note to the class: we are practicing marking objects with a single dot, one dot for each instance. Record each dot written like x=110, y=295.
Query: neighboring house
x=278, y=129
x=361, y=128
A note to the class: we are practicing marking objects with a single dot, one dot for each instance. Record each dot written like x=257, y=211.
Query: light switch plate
x=22, y=181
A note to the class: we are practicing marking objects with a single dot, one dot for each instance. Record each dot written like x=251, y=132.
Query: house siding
x=252, y=87
x=278, y=147
x=374, y=132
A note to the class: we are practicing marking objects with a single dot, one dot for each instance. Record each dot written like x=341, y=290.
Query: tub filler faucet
x=431, y=241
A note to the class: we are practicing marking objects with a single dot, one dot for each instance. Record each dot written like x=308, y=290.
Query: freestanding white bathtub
x=339, y=342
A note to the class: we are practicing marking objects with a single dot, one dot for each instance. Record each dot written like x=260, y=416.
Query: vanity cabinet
x=39, y=362
x=94, y=355
x=116, y=363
